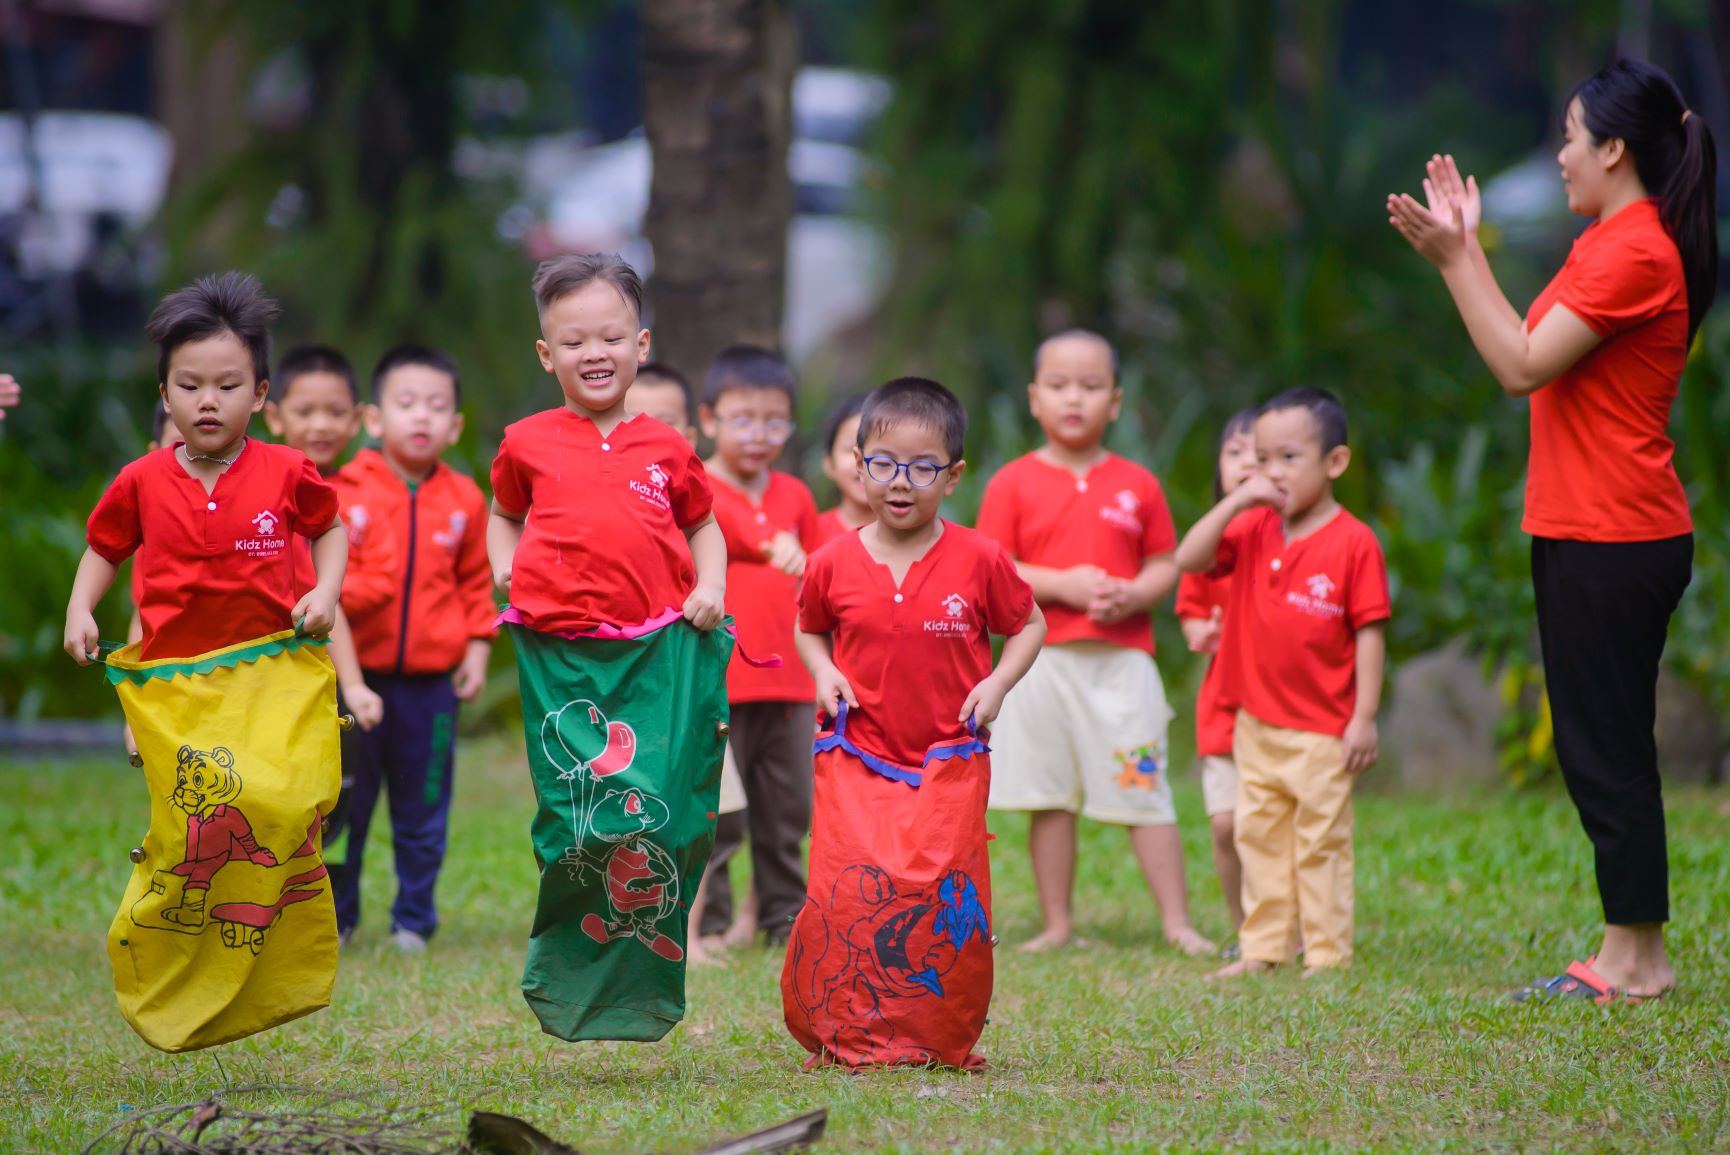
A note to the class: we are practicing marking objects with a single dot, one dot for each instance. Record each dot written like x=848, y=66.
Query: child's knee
x=1224, y=832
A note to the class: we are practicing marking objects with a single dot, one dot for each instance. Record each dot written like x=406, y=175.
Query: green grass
x=1116, y=1046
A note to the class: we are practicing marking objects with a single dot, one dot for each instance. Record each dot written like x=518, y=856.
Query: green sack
x=625, y=738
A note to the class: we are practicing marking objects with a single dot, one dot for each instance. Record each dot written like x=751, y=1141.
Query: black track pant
x=1603, y=611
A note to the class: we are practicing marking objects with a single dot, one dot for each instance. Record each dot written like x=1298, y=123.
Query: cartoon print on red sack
x=218, y=836
x=874, y=943
x=640, y=878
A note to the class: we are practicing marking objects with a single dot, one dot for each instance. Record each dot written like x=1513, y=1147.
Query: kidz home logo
x=655, y=491
x=451, y=536
x=954, y=622
x=267, y=540
x=1123, y=511
x=1319, y=601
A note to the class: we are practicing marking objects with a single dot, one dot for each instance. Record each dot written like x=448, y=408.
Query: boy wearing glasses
x=891, y=961
x=767, y=518
x=1091, y=533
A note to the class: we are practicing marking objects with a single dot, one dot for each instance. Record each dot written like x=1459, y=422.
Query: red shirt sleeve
x=1617, y=286
x=997, y=513
x=315, y=501
x=115, y=531
x=1367, y=601
x=1008, y=598
x=510, y=490
x=474, y=573
x=738, y=529
x=372, y=581
x=692, y=499
x=815, y=614
x=1192, y=596
x=1231, y=543
x=1160, y=536
x=810, y=533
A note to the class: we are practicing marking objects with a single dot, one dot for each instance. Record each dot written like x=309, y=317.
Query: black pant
x=772, y=748
x=1603, y=611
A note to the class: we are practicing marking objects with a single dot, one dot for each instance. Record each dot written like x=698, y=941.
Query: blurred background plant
x=1203, y=183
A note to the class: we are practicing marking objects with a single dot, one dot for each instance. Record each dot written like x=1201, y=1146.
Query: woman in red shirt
x=1600, y=353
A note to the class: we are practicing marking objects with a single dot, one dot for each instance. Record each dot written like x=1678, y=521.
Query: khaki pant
x=1294, y=837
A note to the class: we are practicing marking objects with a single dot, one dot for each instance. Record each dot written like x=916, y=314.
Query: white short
x=1219, y=784
x=1085, y=732
x=732, y=786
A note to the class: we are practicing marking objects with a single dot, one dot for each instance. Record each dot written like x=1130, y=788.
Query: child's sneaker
x=409, y=942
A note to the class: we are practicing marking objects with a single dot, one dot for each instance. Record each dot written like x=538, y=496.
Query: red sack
x=890, y=961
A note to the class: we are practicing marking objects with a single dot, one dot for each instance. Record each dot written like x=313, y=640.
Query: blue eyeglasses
x=920, y=474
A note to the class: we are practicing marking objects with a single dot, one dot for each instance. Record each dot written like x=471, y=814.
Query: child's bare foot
x=742, y=933
x=1243, y=966
x=697, y=955
x=1046, y=940
x=1190, y=942
x=1312, y=972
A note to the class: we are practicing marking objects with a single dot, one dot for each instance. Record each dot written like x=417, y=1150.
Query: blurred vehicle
x=581, y=197
x=74, y=193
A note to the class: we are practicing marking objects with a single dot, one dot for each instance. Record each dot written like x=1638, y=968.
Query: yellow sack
x=228, y=927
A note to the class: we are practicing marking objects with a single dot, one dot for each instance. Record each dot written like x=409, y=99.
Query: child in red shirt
x=1201, y=602
x=768, y=518
x=426, y=649
x=891, y=961
x=1086, y=733
x=211, y=518
x=314, y=406
x=661, y=391
x=1308, y=606
x=842, y=436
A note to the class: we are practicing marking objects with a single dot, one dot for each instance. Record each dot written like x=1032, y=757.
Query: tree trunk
x=717, y=107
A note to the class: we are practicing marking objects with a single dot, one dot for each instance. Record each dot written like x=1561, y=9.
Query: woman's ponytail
x=1676, y=158
x=1689, y=205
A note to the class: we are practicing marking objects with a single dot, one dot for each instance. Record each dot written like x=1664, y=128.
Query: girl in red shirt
x=1601, y=353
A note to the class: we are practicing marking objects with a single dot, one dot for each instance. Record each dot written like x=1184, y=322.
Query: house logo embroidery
x=655, y=491
x=955, y=621
x=1318, y=603
x=267, y=540
x=451, y=536
x=1123, y=511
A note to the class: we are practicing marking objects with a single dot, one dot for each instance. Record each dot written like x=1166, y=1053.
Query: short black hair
x=1243, y=421
x=158, y=421
x=661, y=371
x=747, y=367
x=921, y=401
x=563, y=275
x=849, y=408
x=1329, y=414
x=224, y=303
x=409, y=353
x=1075, y=332
x=304, y=359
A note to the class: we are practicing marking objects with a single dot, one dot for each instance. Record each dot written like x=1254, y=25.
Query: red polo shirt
x=829, y=527
x=213, y=569
x=604, y=543
x=1198, y=595
x=912, y=654
x=1600, y=466
x=764, y=601
x=441, y=588
x=1295, y=611
x=1115, y=518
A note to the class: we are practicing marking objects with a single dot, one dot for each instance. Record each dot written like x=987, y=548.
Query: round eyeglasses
x=920, y=474
x=775, y=429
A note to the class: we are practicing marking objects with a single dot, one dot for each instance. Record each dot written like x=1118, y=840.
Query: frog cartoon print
x=610, y=829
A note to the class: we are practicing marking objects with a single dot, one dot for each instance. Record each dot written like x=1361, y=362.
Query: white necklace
x=191, y=456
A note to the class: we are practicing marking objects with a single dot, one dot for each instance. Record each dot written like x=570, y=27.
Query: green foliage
x=1117, y=1046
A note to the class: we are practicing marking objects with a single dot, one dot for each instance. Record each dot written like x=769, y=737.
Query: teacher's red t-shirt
x=1600, y=466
